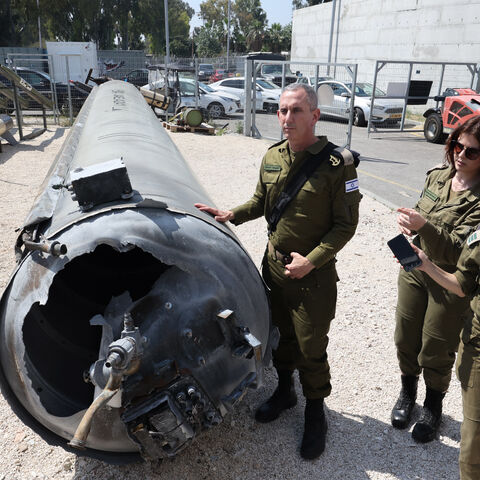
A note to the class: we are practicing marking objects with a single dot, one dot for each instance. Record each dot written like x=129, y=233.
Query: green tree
x=252, y=21
x=18, y=22
x=153, y=22
x=207, y=42
x=79, y=21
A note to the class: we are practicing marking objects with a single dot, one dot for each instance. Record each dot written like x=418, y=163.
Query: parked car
x=340, y=93
x=307, y=80
x=138, y=77
x=274, y=73
x=41, y=81
x=217, y=104
x=267, y=94
x=218, y=74
x=205, y=71
x=271, y=71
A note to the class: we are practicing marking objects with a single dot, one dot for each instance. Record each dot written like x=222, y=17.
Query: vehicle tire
x=433, y=129
x=359, y=117
x=270, y=107
x=216, y=110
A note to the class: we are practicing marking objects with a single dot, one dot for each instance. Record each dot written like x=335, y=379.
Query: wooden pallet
x=202, y=128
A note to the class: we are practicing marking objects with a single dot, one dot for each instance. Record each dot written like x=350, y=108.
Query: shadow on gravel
x=48, y=137
x=358, y=447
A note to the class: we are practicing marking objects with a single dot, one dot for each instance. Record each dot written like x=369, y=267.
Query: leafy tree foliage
x=248, y=23
x=136, y=24
x=278, y=38
x=208, y=44
x=18, y=22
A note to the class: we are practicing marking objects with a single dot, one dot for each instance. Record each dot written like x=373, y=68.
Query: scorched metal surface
x=133, y=321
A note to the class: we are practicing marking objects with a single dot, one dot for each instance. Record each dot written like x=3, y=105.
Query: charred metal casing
x=196, y=303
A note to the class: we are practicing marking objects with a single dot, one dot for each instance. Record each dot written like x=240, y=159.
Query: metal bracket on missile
x=100, y=183
x=250, y=381
x=246, y=344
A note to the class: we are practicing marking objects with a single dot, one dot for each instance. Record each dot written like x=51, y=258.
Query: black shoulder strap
x=296, y=183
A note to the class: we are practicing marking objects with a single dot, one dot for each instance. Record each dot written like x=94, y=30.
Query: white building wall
x=410, y=30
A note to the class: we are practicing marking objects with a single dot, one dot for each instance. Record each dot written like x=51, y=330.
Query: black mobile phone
x=404, y=252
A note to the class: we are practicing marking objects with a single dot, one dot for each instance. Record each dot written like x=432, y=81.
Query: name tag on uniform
x=351, y=185
x=272, y=168
x=429, y=194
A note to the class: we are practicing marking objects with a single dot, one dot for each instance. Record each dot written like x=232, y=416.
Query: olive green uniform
x=468, y=361
x=317, y=223
x=428, y=317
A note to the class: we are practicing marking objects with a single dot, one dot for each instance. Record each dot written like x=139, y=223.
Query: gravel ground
x=361, y=444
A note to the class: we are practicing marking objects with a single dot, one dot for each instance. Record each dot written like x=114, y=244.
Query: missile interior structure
x=132, y=321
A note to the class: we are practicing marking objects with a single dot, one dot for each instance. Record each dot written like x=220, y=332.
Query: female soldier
x=428, y=318
x=465, y=281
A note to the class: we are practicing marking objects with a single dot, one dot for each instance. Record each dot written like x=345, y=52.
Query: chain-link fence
x=37, y=71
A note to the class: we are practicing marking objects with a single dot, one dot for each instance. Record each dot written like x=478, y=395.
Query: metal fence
x=337, y=112
x=412, y=88
x=38, y=71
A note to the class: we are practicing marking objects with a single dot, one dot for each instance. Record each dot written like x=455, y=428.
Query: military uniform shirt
x=467, y=274
x=321, y=218
x=451, y=217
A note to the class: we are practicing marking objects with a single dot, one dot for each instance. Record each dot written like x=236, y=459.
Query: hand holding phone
x=404, y=253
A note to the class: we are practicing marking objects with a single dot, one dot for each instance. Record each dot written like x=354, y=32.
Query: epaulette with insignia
x=473, y=238
x=439, y=166
x=344, y=156
x=277, y=144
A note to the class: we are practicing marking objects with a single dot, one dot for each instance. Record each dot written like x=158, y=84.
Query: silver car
x=334, y=99
x=267, y=94
x=218, y=104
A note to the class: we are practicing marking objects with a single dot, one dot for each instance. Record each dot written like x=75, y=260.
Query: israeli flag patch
x=473, y=238
x=351, y=185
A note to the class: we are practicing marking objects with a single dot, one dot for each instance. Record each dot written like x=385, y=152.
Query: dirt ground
x=361, y=443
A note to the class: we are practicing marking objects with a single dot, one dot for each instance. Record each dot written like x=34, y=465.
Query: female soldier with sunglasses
x=429, y=318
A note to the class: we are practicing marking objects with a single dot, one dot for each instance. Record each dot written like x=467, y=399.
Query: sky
x=278, y=11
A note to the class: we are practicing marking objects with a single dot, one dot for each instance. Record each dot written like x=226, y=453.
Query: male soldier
x=299, y=263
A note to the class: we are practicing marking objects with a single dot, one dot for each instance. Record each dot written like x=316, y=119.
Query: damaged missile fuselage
x=133, y=321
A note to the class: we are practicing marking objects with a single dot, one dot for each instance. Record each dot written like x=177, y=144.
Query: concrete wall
x=413, y=30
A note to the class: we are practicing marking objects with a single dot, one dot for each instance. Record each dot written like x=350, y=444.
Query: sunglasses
x=470, y=152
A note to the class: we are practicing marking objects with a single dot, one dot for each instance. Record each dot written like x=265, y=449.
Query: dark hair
x=470, y=127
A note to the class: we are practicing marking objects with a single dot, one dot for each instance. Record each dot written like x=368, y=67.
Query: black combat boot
x=426, y=428
x=406, y=401
x=313, y=443
x=283, y=397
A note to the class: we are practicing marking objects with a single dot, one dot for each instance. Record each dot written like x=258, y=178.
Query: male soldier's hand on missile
x=220, y=215
x=299, y=266
x=409, y=220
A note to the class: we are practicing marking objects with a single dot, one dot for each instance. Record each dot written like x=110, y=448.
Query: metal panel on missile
x=133, y=321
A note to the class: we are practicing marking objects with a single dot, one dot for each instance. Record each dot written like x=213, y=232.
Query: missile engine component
x=132, y=321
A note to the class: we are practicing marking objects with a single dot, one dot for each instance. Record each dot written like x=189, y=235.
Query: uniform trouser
x=302, y=310
x=427, y=332
x=468, y=372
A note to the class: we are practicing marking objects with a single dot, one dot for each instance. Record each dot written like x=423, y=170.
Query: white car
x=307, y=80
x=334, y=100
x=267, y=94
x=218, y=104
